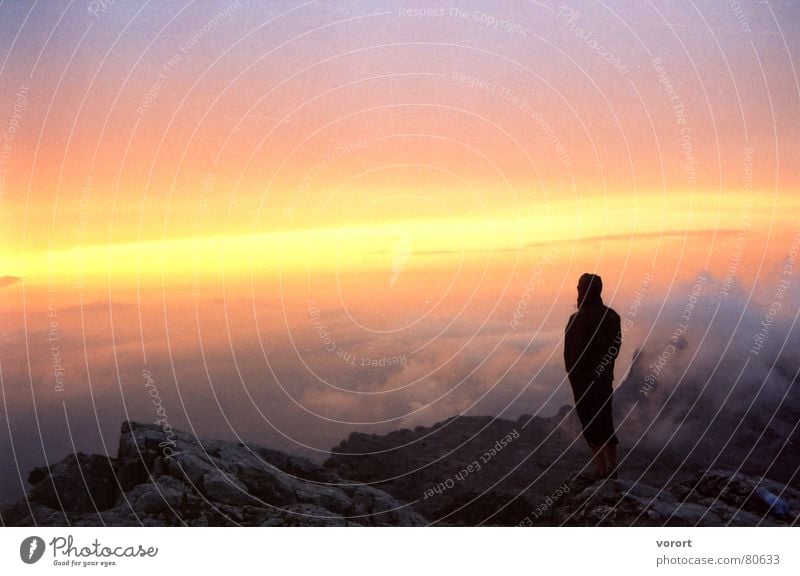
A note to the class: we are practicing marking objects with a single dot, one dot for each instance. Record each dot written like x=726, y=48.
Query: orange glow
x=426, y=242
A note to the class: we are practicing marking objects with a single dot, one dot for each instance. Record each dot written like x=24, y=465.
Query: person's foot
x=586, y=476
x=611, y=474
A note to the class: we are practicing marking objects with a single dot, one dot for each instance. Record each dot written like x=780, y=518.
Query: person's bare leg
x=598, y=456
x=610, y=454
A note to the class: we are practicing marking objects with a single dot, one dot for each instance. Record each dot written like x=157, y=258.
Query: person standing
x=592, y=340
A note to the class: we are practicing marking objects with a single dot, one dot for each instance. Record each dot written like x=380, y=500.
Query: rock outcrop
x=473, y=470
x=465, y=471
x=180, y=480
x=711, y=498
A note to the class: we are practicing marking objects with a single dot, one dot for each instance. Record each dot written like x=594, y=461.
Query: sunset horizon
x=360, y=251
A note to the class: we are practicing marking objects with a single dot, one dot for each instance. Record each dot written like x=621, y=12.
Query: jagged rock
x=378, y=506
x=33, y=514
x=304, y=515
x=325, y=497
x=175, y=479
x=739, y=498
x=226, y=489
x=522, y=478
x=446, y=469
x=528, y=481
x=714, y=498
x=490, y=508
x=157, y=497
x=470, y=470
x=79, y=483
x=297, y=466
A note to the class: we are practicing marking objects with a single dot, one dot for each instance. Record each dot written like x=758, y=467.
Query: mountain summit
x=464, y=471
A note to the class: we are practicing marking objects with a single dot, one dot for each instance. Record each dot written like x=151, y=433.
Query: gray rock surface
x=405, y=478
x=710, y=498
x=531, y=480
x=180, y=480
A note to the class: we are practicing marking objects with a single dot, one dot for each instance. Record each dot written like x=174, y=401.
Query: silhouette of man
x=591, y=345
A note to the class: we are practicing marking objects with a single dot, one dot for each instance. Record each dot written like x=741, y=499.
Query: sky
x=307, y=218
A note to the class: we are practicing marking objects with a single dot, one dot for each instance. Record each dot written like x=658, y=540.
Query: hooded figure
x=592, y=341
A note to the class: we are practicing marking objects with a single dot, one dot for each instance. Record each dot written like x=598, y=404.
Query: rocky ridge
x=180, y=480
x=478, y=470
x=465, y=471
